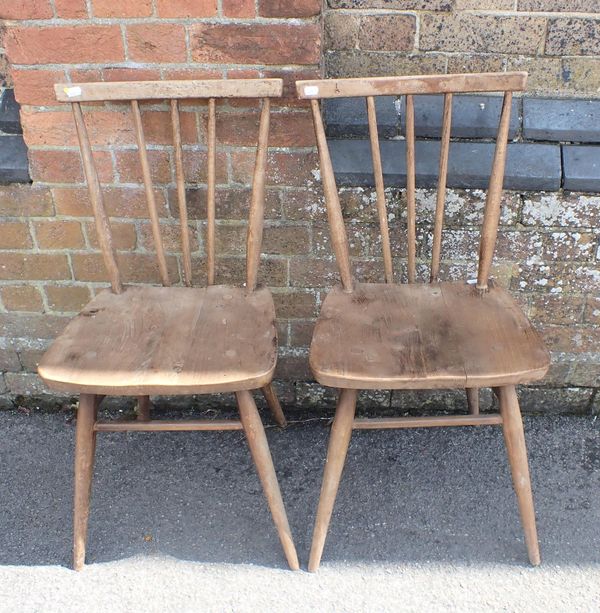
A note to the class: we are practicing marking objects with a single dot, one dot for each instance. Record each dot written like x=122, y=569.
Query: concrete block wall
x=50, y=264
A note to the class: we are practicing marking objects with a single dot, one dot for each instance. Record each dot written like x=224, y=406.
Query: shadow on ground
x=440, y=495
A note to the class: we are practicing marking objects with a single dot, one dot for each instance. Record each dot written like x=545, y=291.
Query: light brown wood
x=411, y=214
x=473, y=400
x=102, y=222
x=430, y=421
x=177, y=340
x=489, y=229
x=441, y=190
x=257, y=204
x=210, y=191
x=401, y=86
x=517, y=455
x=149, y=188
x=181, y=199
x=424, y=336
x=143, y=408
x=259, y=448
x=85, y=443
x=156, y=90
x=380, y=191
x=165, y=425
x=339, y=439
x=339, y=238
x=274, y=406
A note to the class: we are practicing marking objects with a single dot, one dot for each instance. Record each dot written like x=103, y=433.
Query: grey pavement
x=425, y=520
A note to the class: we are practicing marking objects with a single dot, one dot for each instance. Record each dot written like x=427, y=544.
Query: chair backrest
x=410, y=86
x=174, y=91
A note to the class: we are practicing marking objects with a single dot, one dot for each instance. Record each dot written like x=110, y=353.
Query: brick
x=64, y=298
x=272, y=271
x=545, y=246
x=313, y=272
x=9, y=359
x=108, y=8
x=158, y=130
x=563, y=6
x=25, y=201
x=21, y=298
x=545, y=73
x=556, y=309
x=25, y=9
x=129, y=170
x=474, y=62
x=568, y=36
x=171, y=236
x=71, y=9
x=290, y=240
x=14, y=235
x=581, y=168
x=303, y=204
x=126, y=202
x=570, y=339
x=558, y=277
x=585, y=375
x=301, y=333
x=484, y=5
x=123, y=234
x=59, y=234
x=255, y=44
x=30, y=358
x=195, y=165
x=581, y=75
x=186, y=74
x=387, y=33
x=134, y=267
x=592, y=310
x=156, y=43
x=52, y=166
x=33, y=266
x=292, y=365
x=65, y=44
x=569, y=210
x=186, y=8
x=114, y=73
x=340, y=30
x=561, y=120
x=14, y=167
x=358, y=63
x=36, y=87
x=290, y=169
x=571, y=400
x=481, y=33
x=289, y=76
x=284, y=8
x=28, y=384
x=406, y=5
x=238, y=8
x=298, y=304
x=31, y=326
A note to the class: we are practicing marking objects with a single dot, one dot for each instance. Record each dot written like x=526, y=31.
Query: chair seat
x=423, y=336
x=166, y=340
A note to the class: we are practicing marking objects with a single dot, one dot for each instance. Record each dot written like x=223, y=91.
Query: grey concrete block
x=14, y=167
x=347, y=117
x=10, y=120
x=561, y=120
x=472, y=116
x=528, y=167
x=581, y=168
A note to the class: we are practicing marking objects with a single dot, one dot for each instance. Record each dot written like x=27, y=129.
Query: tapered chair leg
x=85, y=444
x=274, y=406
x=514, y=438
x=339, y=439
x=143, y=408
x=473, y=400
x=259, y=448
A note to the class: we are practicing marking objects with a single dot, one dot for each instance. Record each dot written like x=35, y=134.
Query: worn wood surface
x=418, y=336
x=411, y=210
x=426, y=421
x=177, y=340
x=156, y=90
x=400, y=86
x=166, y=425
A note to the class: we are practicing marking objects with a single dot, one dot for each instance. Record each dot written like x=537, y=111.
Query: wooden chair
x=146, y=340
x=421, y=336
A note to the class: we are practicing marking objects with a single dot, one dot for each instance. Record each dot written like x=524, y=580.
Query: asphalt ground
x=425, y=520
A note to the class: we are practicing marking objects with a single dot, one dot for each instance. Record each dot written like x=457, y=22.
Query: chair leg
x=517, y=456
x=473, y=400
x=339, y=439
x=259, y=448
x=274, y=406
x=143, y=408
x=85, y=443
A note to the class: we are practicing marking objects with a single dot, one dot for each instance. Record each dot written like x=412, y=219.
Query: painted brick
x=65, y=44
x=255, y=44
x=581, y=168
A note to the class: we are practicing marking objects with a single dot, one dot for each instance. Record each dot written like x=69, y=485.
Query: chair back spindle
x=448, y=85
x=172, y=91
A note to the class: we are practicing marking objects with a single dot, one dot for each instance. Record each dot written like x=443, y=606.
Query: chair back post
x=489, y=229
x=257, y=204
x=103, y=229
x=210, y=191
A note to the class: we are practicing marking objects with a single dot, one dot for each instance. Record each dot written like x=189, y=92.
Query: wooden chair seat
x=162, y=340
x=422, y=336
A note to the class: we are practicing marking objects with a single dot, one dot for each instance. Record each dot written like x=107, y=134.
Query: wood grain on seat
x=421, y=336
x=161, y=340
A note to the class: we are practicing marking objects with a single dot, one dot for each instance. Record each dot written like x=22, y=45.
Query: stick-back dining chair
x=148, y=340
x=421, y=335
